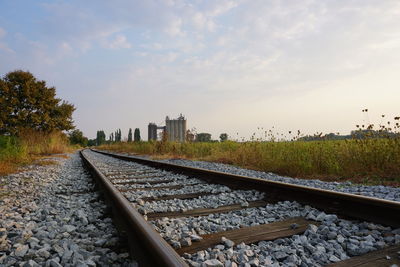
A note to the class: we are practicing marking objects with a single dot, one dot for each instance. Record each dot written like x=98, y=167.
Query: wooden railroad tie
x=137, y=177
x=383, y=257
x=251, y=234
x=179, y=196
x=202, y=212
x=152, y=188
x=156, y=187
x=131, y=172
x=143, y=182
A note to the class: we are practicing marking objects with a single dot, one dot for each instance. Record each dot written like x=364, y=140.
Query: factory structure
x=175, y=129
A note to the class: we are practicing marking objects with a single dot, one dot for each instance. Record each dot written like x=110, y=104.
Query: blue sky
x=228, y=66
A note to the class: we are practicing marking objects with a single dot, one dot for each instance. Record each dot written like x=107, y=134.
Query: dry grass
x=368, y=161
x=7, y=167
x=38, y=143
x=31, y=147
x=45, y=162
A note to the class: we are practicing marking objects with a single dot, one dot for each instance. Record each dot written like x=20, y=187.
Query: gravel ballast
x=53, y=216
x=328, y=239
x=380, y=191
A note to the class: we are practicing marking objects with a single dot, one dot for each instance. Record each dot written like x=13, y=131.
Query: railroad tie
x=151, y=188
x=383, y=257
x=137, y=177
x=251, y=234
x=203, y=211
x=143, y=182
x=179, y=196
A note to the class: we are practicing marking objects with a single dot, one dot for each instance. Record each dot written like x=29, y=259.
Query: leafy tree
x=130, y=135
x=91, y=142
x=117, y=135
x=76, y=137
x=100, y=137
x=223, y=137
x=26, y=102
x=137, y=135
x=203, y=137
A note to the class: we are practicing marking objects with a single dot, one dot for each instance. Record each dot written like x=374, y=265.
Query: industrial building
x=152, y=131
x=174, y=128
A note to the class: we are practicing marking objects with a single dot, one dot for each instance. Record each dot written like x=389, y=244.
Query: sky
x=236, y=67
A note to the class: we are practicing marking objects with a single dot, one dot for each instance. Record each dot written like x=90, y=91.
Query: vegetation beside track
x=369, y=160
x=29, y=147
x=32, y=121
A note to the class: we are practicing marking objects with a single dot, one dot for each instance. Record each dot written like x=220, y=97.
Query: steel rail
x=347, y=205
x=147, y=246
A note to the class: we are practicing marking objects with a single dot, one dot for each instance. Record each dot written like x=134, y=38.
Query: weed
x=367, y=156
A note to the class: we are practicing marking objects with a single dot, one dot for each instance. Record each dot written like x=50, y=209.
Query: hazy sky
x=228, y=66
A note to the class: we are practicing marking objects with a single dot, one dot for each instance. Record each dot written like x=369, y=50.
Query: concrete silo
x=176, y=129
x=152, y=131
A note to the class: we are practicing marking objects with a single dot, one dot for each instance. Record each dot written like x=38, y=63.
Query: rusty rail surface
x=146, y=245
x=347, y=205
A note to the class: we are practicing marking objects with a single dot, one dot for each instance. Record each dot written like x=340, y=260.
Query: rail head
x=377, y=210
x=159, y=250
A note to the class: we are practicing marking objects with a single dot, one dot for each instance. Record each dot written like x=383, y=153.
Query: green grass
x=372, y=161
x=11, y=148
x=28, y=147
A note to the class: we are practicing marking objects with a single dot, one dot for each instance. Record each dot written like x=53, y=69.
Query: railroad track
x=177, y=216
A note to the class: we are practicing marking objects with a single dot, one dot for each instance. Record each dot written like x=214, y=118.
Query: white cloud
x=232, y=52
x=120, y=41
x=3, y=45
x=174, y=27
x=6, y=48
x=2, y=32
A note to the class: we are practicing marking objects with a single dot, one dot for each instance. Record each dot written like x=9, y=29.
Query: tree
x=76, y=138
x=136, y=137
x=118, y=136
x=91, y=142
x=203, y=137
x=130, y=135
x=223, y=137
x=100, y=138
x=26, y=102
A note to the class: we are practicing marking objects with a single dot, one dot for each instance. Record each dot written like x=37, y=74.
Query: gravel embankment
x=384, y=192
x=52, y=216
x=328, y=240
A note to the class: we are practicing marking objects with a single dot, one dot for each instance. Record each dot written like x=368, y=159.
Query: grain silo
x=152, y=131
x=176, y=129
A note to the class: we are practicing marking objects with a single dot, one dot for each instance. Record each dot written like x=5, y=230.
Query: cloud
x=3, y=45
x=174, y=27
x=233, y=52
x=118, y=42
x=2, y=32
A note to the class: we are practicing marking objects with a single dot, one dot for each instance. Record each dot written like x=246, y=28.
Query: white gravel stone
x=384, y=192
x=52, y=216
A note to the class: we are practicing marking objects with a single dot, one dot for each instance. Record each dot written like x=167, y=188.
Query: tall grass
x=370, y=160
x=11, y=148
x=29, y=146
x=38, y=143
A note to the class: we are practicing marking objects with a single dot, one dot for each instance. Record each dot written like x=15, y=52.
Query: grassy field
x=368, y=161
x=28, y=147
